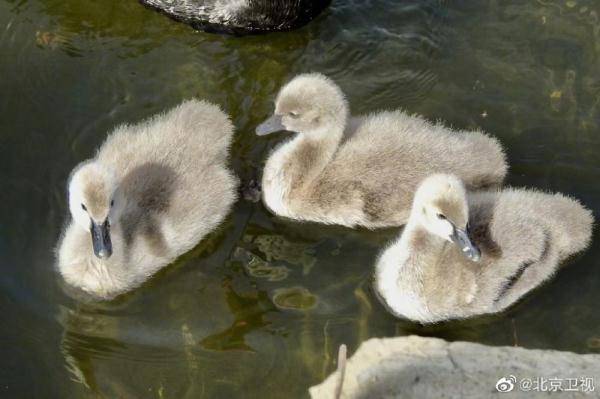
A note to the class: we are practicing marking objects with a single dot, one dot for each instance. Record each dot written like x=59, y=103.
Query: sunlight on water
x=260, y=307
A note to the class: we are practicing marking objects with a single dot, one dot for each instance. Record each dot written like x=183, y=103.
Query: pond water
x=260, y=307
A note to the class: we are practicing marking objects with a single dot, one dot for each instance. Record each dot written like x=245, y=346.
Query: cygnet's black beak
x=271, y=125
x=101, y=239
x=461, y=238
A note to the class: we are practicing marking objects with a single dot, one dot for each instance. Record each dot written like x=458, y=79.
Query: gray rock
x=416, y=367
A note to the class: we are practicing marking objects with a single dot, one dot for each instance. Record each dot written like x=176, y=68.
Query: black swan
x=241, y=16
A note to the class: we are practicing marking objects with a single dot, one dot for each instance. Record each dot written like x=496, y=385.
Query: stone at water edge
x=417, y=367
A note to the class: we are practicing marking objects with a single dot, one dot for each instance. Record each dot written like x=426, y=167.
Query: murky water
x=260, y=307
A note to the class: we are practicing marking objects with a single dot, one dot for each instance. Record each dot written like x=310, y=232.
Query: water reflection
x=249, y=310
x=298, y=298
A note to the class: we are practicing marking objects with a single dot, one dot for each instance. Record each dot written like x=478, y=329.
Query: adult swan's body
x=241, y=16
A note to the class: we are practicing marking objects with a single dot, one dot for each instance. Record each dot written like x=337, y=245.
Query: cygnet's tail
x=490, y=157
x=573, y=224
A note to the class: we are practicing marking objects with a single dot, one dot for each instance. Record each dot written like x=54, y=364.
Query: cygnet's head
x=92, y=202
x=310, y=104
x=440, y=205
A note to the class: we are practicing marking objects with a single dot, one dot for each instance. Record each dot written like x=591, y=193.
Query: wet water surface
x=260, y=307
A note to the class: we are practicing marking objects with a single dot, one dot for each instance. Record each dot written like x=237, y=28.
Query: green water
x=260, y=307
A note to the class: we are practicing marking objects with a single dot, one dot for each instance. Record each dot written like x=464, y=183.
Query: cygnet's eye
x=112, y=203
x=293, y=114
x=83, y=207
x=441, y=216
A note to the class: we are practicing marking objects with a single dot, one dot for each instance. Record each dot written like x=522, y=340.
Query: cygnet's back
x=391, y=152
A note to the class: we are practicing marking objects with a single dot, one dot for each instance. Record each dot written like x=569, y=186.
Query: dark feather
x=259, y=16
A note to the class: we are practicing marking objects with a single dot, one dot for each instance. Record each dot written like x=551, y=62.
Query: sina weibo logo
x=506, y=384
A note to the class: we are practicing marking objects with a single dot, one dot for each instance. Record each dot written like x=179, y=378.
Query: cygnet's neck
x=415, y=242
x=310, y=152
x=417, y=235
x=405, y=265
